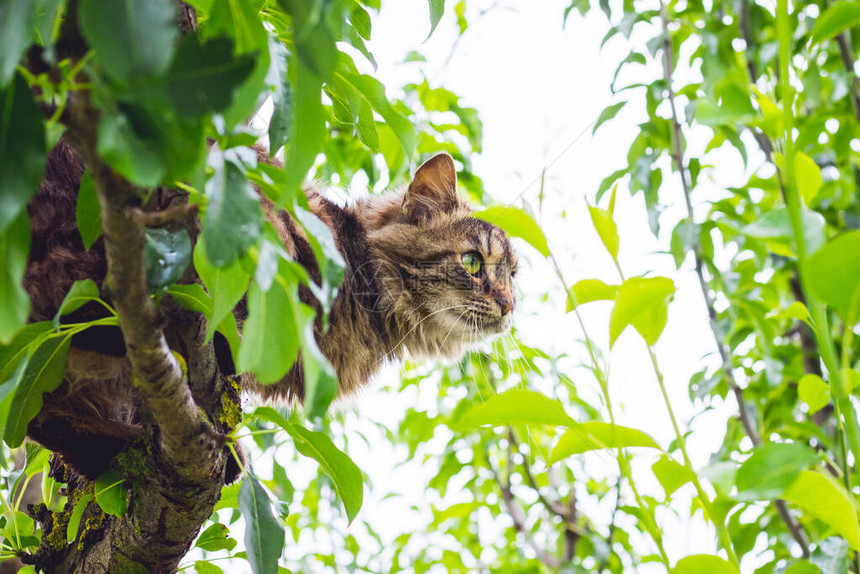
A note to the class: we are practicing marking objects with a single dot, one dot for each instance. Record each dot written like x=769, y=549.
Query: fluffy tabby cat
x=422, y=276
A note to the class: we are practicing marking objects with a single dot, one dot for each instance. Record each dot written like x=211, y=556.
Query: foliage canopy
x=776, y=259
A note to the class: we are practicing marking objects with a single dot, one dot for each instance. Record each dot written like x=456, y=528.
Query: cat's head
x=447, y=277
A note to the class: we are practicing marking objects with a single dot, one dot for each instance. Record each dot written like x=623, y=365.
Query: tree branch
x=178, y=468
x=567, y=512
x=746, y=418
x=164, y=217
x=191, y=445
x=516, y=514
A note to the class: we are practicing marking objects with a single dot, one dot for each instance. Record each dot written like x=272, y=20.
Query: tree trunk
x=175, y=472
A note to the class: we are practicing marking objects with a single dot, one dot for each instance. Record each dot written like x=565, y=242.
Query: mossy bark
x=175, y=473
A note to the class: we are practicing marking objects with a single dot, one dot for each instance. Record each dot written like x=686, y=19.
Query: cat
x=423, y=278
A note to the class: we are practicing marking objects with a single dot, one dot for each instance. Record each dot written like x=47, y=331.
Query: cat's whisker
x=451, y=330
x=524, y=364
x=396, y=346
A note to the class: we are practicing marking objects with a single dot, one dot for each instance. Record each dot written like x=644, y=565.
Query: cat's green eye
x=473, y=262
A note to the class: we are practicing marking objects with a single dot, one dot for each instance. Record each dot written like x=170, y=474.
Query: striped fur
x=406, y=292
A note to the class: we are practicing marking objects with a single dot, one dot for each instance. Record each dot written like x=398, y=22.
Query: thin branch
x=565, y=511
x=725, y=355
x=162, y=218
x=518, y=517
x=612, y=526
x=623, y=463
x=553, y=507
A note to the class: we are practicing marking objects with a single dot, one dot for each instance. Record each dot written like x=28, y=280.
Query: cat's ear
x=433, y=189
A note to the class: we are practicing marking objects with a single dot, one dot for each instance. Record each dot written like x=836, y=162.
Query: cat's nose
x=505, y=301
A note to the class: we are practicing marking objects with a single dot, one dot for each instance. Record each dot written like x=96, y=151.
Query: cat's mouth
x=479, y=326
x=495, y=325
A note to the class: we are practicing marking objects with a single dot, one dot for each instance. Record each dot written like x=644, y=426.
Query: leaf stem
x=623, y=460
x=720, y=525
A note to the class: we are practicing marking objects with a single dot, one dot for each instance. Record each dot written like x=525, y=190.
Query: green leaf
x=241, y=21
x=606, y=229
x=24, y=341
x=214, y=538
x=128, y=154
x=775, y=226
x=607, y=182
x=315, y=27
x=373, y=91
x=823, y=498
x=229, y=496
x=22, y=147
x=834, y=275
x=282, y=97
x=808, y=177
x=804, y=567
x=700, y=563
x=643, y=303
x=321, y=384
x=203, y=77
x=595, y=435
x=131, y=39
x=830, y=556
x=840, y=16
x=192, y=297
x=365, y=127
x=360, y=20
x=233, y=217
x=14, y=250
x=515, y=407
x=308, y=128
x=42, y=374
x=814, y=392
x=226, y=285
x=168, y=254
x=88, y=213
x=329, y=260
x=270, y=342
x=111, y=493
x=19, y=526
x=345, y=475
x=516, y=222
x=771, y=469
x=850, y=380
x=17, y=22
x=722, y=475
x=76, y=516
x=81, y=292
x=588, y=290
x=437, y=10
x=671, y=475
x=264, y=535
x=203, y=567
x=607, y=114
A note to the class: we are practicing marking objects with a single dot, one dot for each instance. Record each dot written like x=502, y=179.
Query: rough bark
x=175, y=473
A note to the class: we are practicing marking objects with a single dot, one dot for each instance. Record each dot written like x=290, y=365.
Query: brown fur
x=406, y=291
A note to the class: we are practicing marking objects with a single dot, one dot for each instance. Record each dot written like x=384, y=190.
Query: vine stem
x=749, y=425
x=720, y=525
x=623, y=461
